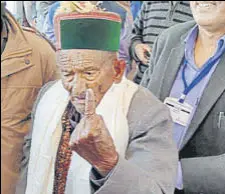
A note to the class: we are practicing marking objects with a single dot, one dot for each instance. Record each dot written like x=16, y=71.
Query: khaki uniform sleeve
x=50, y=70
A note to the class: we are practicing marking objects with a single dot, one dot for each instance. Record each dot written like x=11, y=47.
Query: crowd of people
x=105, y=97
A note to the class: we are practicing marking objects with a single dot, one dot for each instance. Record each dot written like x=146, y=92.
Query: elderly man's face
x=83, y=69
x=209, y=14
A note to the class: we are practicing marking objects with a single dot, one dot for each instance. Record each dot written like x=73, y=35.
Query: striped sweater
x=154, y=17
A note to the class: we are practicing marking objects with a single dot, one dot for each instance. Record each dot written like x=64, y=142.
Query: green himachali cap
x=94, y=30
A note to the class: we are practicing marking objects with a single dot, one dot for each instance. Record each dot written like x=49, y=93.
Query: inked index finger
x=90, y=105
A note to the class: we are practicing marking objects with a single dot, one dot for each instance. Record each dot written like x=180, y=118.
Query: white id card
x=180, y=112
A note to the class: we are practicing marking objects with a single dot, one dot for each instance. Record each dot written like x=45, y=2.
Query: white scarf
x=47, y=132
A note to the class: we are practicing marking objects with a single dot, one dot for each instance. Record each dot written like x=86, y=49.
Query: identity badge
x=180, y=112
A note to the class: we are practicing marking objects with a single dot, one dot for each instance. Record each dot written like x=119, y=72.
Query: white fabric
x=47, y=131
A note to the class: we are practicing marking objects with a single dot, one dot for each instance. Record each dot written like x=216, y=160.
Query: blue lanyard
x=204, y=72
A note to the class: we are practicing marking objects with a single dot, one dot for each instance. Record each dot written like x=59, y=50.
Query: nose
x=78, y=85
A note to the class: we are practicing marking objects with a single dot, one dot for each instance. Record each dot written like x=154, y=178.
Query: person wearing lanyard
x=187, y=72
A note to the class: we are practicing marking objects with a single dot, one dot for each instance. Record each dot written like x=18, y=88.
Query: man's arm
x=125, y=38
x=49, y=66
x=204, y=174
x=137, y=31
x=152, y=63
x=150, y=166
x=22, y=182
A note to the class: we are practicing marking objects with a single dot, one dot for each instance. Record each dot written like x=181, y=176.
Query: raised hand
x=91, y=138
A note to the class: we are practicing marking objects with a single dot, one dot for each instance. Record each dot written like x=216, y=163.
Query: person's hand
x=143, y=52
x=91, y=139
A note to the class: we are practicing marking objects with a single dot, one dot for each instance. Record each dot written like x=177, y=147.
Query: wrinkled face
x=209, y=14
x=83, y=69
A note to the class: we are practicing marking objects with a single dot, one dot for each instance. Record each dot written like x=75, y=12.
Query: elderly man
x=24, y=70
x=92, y=121
x=187, y=73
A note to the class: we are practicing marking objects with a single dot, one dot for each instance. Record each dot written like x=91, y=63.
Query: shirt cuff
x=97, y=179
x=179, y=184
